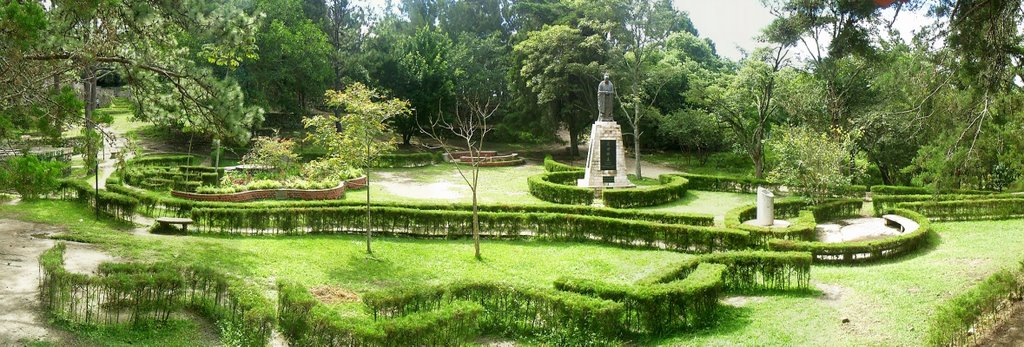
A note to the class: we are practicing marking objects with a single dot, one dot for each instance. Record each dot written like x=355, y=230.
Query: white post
x=765, y=207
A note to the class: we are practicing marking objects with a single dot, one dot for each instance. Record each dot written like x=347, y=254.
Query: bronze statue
x=605, y=97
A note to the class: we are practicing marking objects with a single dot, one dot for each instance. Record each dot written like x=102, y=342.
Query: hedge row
x=456, y=223
x=560, y=187
x=160, y=204
x=182, y=178
x=304, y=321
x=655, y=309
x=510, y=310
x=117, y=205
x=905, y=190
x=163, y=160
x=550, y=165
x=139, y=293
x=862, y=251
x=962, y=319
x=802, y=229
x=727, y=183
x=968, y=209
x=672, y=188
x=419, y=159
x=746, y=270
x=884, y=202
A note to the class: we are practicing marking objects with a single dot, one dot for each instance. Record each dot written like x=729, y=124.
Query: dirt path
x=21, y=319
x=1010, y=332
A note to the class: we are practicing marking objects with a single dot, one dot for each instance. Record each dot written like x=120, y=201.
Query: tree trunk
x=89, y=91
x=407, y=139
x=476, y=226
x=636, y=147
x=369, y=228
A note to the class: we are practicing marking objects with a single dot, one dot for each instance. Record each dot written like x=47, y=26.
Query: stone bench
x=168, y=221
x=906, y=224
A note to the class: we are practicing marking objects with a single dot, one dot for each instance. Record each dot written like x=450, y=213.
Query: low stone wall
x=264, y=194
x=458, y=155
x=483, y=158
x=356, y=183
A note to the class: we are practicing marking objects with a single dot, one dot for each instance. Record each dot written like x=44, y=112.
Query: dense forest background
x=940, y=110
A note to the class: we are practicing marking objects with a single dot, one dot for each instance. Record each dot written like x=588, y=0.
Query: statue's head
x=606, y=77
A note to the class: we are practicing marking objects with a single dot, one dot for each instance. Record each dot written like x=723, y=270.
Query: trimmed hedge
x=419, y=159
x=727, y=183
x=862, y=251
x=962, y=319
x=155, y=204
x=658, y=308
x=884, y=202
x=787, y=208
x=163, y=160
x=905, y=190
x=452, y=223
x=968, y=209
x=304, y=321
x=140, y=293
x=510, y=310
x=116, y=205
x=672, y=188
x=552, y=187
x=747, y=270
x=550, y=165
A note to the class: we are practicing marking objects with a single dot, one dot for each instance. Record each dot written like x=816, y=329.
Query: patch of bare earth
x=21, y=318
x=333, y=295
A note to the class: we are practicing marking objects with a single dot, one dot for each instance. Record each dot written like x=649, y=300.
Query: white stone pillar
x=765, y=207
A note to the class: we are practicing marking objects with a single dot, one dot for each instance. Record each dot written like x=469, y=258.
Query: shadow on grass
x=729, y=320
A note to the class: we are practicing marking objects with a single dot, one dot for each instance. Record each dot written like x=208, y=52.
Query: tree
x=152, y=45
x=273, y=153
x=745, y=102
x=363, y=135
x=469, y=126
x=813, y=164
x=695, y=131
x=648, y=25
x=30, y=177
x=561, y=66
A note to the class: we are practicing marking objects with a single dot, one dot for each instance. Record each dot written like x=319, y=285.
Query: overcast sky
x=733, y=24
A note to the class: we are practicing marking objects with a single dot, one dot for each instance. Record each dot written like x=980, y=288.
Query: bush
x=114, y=204
x=862, y=251
x=726, y=183
x=672, y=188
x=550, y=165
x=30, y=177
x=654, y=309
x=420, y=159
x=163, y=160
x=979, y=209
x=958, y=321
x=904, y=190
x=457, y=223
x=139, y=293
x=553, y=187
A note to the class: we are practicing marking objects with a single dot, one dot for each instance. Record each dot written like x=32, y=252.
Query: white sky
x=733, y=24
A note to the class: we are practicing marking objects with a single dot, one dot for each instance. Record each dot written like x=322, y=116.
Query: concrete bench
x=905, y=224
x=168, y=221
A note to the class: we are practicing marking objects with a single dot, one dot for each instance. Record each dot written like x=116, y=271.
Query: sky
x=734, y=24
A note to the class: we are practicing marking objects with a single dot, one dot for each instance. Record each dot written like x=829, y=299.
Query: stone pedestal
x=606, y=158
x=765, y=207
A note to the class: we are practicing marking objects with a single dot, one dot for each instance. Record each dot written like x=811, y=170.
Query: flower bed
x=264, y=194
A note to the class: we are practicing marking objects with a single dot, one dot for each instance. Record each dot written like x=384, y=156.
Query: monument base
x=606, y=158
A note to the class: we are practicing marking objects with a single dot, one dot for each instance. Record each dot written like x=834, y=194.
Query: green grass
x=176, y=332
x=442, y=183
x=887, y=303
x=698, y=201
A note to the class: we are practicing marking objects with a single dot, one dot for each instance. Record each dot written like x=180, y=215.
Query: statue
x=605, y=96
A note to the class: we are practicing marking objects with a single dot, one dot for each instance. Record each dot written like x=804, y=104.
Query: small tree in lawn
x=813, y=164
x=356, y=136
x=468, y=126
x=274, y=154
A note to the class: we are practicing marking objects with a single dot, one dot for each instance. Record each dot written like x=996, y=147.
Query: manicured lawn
x=713, y=203
x=442, y=183
x=887, y=303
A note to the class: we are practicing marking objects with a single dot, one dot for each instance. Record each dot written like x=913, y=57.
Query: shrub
x=276, y=154
x=550, y=165
x=658, y=308
x=162, y=160
x=457, y=223
x=726, y=183
x=978, y=209
x=30, y=177
x=956, y=322
x=862, y=251
x=553, y=187
x=672, y=188
x=419, y=159
x=114, y=204
x=904, y=190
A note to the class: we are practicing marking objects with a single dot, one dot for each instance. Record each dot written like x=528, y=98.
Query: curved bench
x=905, y=224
